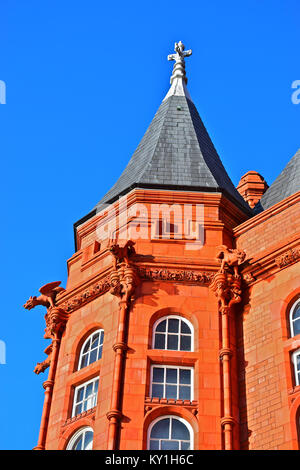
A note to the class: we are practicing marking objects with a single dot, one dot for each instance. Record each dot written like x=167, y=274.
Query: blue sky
x=83, y=81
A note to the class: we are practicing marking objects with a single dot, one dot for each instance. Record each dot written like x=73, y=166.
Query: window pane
x=185, y=328
x=87, y=346
x=185, y=446
x=172, y=342
x=93, y=356
x=171, y=391
x=184, y=393
x=77, y=444
x=88, y=440
x=157, y=391
x=89, y=390
x=184, y=376
x=79, y=394
x=154, y=445
x=158, y=374
x=296, y=327
x=100, y=352
x=161, y=326
x=296, y=313
x=160, y=430
x=102, y=337
x=179, y=430
x=84, y=361
x=169, y=445
x=173, y=326
x=185, y=343
x=95, y=341
x=78, y=410
x=171, y=376
x=159, y=341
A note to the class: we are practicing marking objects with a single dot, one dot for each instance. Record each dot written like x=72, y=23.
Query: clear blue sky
x=83, y=81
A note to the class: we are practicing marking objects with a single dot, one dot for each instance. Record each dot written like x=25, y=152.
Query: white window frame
x=93, y=397
x=186, y=423
x=100, y=330
x=292, y=310
x=77, y=434
x=166, y=366
x=177, y=317
x=296, y=371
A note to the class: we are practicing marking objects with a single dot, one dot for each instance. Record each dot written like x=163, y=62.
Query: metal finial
x=179, y=66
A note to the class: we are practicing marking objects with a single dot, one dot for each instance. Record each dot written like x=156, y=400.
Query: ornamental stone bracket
x=227, y=282
x=227, y=288
x=124, y=278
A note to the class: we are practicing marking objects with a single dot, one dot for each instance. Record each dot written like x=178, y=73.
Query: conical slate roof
x=285, y=185
x=176, y=151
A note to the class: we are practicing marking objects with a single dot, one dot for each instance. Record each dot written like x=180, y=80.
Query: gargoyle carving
x=122, y=254
x=230, y=257
x=47, y=297
x=42, y=366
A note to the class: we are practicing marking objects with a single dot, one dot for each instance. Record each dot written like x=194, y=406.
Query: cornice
x=271, y=262
x=266, y=214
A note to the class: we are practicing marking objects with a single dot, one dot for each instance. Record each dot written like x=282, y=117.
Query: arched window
x=170, y=433
x=296, y=362
x=81, y=440
x=91, y=349
x=295, y=318
x=174, y=333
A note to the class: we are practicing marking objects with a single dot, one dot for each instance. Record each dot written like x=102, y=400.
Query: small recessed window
x=173, y=333
x=170, y=433
x=295, y=319
x=296, y=362
x=91, y=349
x=172, y=382
x=85, y=396
x=82, y=440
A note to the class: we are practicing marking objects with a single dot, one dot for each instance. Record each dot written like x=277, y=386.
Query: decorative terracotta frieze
x=152, y=402
x=90, y=412
x=288, y=257
x=87, y=295
x=179, y=275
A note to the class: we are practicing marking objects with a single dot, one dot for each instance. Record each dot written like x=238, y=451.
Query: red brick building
x=179, y=327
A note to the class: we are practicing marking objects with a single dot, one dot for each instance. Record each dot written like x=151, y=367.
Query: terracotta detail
x=230, y=257
x=227, y=288
x=178, y=275
x=251, y=187
x=121, y=254
x=47, y=297
x=89, y=294
x=124, y=280
x=56, y=319
x=288, y=257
